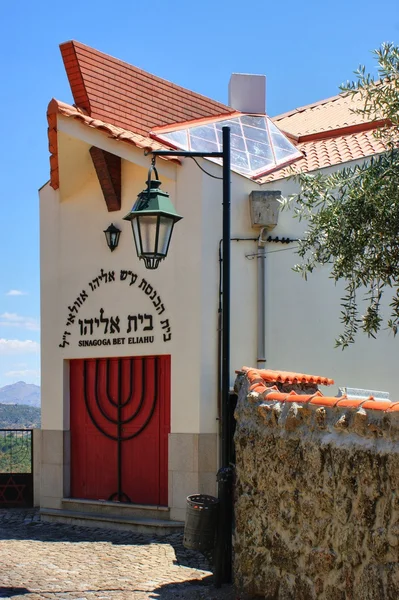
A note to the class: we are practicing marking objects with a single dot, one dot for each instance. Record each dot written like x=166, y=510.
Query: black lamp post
x=152, y=218
x=112, y=234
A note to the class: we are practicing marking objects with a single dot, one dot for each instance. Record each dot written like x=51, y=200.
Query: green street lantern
x=152, y=217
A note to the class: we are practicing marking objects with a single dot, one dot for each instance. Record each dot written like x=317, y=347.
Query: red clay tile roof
x=60, y=108
x=124, y=102
x=127, y=97
x=329, y=133
x=258, y=378
x=326, y=115
x=322, y=153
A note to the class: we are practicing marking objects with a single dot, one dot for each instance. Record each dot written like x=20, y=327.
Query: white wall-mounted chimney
x=247, y=93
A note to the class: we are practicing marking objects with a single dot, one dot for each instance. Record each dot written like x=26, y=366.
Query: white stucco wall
x=302, y=317
x=73, y=252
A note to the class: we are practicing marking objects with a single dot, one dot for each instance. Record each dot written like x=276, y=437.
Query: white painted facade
x=302, y=318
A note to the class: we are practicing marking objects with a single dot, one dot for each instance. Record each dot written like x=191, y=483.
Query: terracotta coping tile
x=324, y=401
x=258, y=387
x=285, y=377
x=350, y=402
x=255, y=382
x=259, y=377
x=278, y=396
x=377, y=404
x=292, y=397
x=302, y=398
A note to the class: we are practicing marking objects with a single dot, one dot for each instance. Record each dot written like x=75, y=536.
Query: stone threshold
x=144, y=525
x=116, y=509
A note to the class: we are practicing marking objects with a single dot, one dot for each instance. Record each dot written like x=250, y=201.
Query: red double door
x=120, y=420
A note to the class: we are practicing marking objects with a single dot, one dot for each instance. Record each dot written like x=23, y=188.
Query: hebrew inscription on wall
x=104, y=328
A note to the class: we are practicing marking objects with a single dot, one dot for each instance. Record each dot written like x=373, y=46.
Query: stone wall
x=317, y=492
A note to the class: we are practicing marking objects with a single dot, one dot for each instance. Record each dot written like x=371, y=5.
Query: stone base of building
x=192, y=469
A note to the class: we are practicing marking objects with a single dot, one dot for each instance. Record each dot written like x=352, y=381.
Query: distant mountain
x=20, y=393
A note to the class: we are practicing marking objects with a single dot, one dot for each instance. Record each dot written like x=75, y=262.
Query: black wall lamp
x=112, y=235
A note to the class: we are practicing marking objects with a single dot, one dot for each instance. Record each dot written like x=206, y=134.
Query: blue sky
x=306, y=49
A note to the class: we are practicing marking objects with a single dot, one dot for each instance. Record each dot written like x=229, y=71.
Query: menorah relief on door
x=120, y=420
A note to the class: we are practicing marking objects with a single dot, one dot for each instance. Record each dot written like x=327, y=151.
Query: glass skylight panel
x=257, y=145
x=281, y=144
x=207, y=132
x=259, y=122
x=201, y=145
x=178, y=138
x=237, y=142
x=258, y=162
x=259, y=149
x=239, y=160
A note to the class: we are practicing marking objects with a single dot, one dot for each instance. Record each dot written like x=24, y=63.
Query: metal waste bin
x=201, y=522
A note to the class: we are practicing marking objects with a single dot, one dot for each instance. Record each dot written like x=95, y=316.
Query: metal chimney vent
x=362, y=394
x=247, y=93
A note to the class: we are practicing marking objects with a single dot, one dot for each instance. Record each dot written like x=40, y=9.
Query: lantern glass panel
x=148, y=233
x=165, y=232
x=136, y=236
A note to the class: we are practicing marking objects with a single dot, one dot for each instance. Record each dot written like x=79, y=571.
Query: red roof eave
x=119, y=134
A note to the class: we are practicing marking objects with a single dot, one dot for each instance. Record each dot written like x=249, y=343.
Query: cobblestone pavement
x=62, y=562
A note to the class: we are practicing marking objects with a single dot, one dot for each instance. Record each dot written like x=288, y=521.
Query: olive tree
x=352, y=214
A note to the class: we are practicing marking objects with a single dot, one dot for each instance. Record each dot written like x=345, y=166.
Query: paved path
x=61, y=562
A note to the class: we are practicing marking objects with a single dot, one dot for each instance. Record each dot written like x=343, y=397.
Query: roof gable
x=123, y=95
x=323, y=116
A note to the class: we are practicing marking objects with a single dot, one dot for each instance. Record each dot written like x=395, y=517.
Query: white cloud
x=18, y=346
x=25, y=373
x=14, y=320
x=16, y=293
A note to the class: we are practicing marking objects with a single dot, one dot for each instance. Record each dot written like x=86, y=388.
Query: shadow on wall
x=10, y=592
